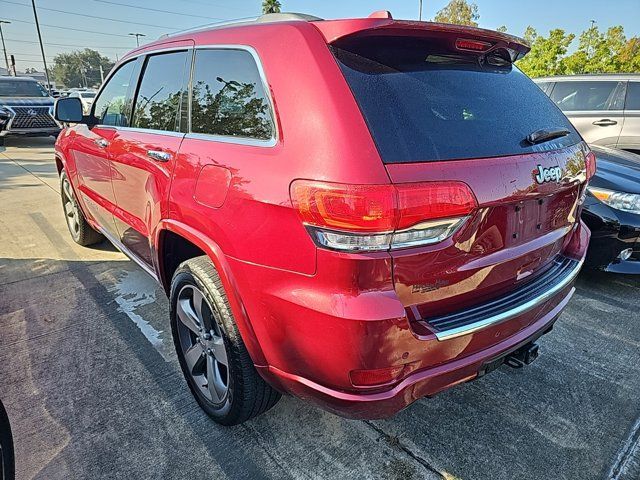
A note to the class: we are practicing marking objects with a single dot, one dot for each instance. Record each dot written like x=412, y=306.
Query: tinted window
x=228, y=96
x=545, y=86
x=21, y=88
x=572, y=96
x=423, y=102
x=633, y=96
x=111, y=106
x=157, y=103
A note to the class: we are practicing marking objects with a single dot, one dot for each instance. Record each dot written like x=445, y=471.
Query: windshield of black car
x=423, y=101
x=21, y=88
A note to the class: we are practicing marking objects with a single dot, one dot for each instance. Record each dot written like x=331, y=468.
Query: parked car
x=7, y=456
x=612, y=212
x=86, y=97
x=25, y=108
x=382, y=210
x=604, y=108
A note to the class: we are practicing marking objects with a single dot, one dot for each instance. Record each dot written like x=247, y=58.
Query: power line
x=69, y=44
x=69, y=28
x=157, y=10
x=164, y=27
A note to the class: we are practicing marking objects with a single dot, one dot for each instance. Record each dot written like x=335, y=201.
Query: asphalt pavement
x=93, y=388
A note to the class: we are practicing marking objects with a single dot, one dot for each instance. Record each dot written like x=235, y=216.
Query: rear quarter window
x=633, y=96
x=423, y=102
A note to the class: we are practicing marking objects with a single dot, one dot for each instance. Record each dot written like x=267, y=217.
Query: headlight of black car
x=627, y=202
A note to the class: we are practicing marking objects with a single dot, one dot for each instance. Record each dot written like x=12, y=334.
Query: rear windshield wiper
x=544, y=135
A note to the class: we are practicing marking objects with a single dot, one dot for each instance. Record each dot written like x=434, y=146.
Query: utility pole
x=101, y=75
x=589, y=54
x=137, y=35
x=4, y=48
x=44, y=60
x=420, y=14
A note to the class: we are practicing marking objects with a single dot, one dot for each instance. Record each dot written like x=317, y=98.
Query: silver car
x=604, y=108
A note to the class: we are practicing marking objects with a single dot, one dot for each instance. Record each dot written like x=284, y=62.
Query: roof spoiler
x=381, y=23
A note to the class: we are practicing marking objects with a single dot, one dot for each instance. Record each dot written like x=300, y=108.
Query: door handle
x=158, y=155
x=605, y=122
x=101, y=142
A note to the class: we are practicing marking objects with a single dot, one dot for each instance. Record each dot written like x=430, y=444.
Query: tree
x=459, y=12
x=547, y=55
x=80, y=68
x=502, y=29
x=271, y=6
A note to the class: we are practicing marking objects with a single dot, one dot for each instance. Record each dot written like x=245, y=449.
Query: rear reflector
x=372, y=378
x=379, y=217
x=472, y=45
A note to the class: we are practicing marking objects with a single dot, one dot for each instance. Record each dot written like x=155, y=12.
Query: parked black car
x=25, y=108
x=612, y=212
x=7, y=459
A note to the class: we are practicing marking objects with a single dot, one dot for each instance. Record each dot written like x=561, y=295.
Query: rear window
x=633, y=96
x=423, y=102
x=588, y=95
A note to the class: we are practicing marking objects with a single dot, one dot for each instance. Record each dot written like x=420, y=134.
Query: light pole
x=4, y=48
x=420, y=14
x=137, y=35
x=593, y=22
x=44, y=60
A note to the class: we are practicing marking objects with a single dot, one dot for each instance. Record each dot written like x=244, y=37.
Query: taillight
x=590, y=164
x=380, y=217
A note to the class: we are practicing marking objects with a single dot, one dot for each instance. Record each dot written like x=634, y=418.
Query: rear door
x=630, y=135
x=595, y=107
x=143, y=155
x=438, y=114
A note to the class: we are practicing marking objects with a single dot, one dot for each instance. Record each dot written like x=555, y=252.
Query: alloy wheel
x=72, y=213
x=202, y=344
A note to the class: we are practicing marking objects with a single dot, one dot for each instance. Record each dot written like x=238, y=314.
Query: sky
x=104, y=25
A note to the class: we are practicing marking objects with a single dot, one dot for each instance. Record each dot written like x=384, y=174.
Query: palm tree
x=271, y=6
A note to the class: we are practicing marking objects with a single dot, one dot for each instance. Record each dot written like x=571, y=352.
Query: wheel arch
x=191, y=243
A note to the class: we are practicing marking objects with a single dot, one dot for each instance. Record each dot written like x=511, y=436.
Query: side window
x=228, y=97
x=111, y=106
x=157, y=103
x=572, y=96
x=545, y=87
x=633, y=96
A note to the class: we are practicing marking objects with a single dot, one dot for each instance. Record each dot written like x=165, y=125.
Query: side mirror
x=68, y=110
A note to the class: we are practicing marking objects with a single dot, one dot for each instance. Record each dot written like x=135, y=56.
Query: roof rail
x=266, y=18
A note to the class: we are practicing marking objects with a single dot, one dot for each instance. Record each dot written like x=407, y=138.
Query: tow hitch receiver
x=523, y=356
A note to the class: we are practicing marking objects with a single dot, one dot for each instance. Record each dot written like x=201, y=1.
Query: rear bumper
x=421, y=384
x=314, y=335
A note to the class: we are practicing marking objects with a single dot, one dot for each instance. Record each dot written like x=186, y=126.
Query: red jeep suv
x=358, y=212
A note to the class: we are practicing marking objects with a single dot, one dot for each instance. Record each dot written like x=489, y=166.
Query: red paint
x=311, y=317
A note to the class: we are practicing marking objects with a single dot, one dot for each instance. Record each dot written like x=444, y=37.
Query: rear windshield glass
x=423, y=102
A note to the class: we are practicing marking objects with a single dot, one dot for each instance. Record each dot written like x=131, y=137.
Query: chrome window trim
x=141, y=130
x=271, y=142
x=509, y=314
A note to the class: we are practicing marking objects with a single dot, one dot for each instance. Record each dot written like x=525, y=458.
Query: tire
x=80, y=230
x=1, y=141
x=206, y=336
